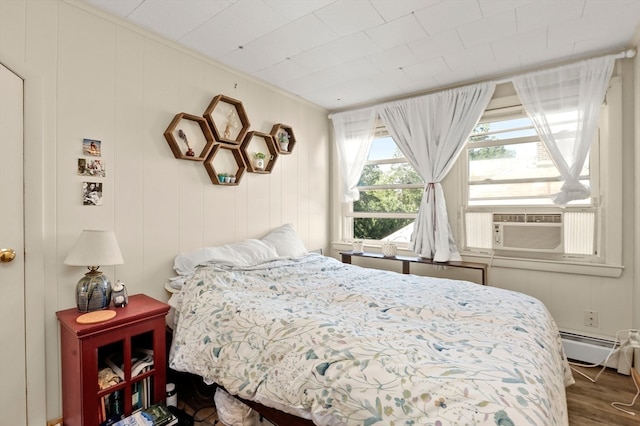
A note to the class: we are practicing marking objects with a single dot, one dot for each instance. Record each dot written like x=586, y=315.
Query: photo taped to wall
x=91, y=147
x=91, y=167
x=92, y=193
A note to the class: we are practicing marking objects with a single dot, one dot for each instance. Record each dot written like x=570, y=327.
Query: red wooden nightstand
x=138, y=328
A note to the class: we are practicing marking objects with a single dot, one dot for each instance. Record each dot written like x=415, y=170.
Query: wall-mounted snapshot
x=91, y=147
x=91, y=167
x=92, y=193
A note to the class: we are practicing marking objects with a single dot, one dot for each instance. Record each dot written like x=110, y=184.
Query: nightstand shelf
x=132, y=345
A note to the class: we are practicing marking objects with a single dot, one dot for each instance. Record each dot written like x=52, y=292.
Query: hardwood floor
x=590, y=403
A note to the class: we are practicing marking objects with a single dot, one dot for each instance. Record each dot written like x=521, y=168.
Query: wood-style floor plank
x=590, y=403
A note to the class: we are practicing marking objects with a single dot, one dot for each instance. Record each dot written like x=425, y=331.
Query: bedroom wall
x=89, y=75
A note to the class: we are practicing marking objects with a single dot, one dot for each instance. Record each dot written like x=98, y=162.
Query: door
x=13, y=395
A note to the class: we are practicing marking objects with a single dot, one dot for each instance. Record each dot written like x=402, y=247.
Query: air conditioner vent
x=505, y=217
x=544, y=218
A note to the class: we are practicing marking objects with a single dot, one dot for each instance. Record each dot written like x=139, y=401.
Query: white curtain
x=431, y=131
x=564, y=105
x=353, y=132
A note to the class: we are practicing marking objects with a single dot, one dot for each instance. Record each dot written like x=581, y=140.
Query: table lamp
x=94, y=248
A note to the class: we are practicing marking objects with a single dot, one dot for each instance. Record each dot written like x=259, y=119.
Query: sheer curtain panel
x=431, y=131
x=353, y=132
x=564, y=106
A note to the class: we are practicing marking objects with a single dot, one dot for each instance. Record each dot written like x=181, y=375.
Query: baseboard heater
x=591, y=350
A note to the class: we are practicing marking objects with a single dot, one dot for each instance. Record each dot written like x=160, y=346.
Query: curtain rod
x=627, y=54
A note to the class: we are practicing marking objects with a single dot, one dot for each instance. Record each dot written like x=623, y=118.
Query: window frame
x=503, y=106
x=348, y=214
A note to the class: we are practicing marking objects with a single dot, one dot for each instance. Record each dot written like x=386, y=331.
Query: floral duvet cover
x=340, y=344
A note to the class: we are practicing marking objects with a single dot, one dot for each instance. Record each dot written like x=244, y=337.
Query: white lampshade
x=95, y=248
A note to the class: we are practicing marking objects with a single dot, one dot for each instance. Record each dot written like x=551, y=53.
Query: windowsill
x=561, y=266
x=565, y=267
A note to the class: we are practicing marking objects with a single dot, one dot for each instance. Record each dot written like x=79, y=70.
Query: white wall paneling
x=101, y=78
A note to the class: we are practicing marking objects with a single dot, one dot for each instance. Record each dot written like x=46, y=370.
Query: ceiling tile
x=175, y=18
x=438, y=45
x=347, y=17
x=491, y=7
x=612, y=26
x=494, y=27
x=392, y=10
x=543, y=13
x=317, y=59
x=355, y=45
x=237, y=25
x=446, y=15
x=294, y=9
x=282, y=72
x=532, y=41
x=398, y=57
x=469, y=57
x=307, y=32
x=400, y=31
x=425, y=70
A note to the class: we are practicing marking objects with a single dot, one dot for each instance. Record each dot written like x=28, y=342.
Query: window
x=509, y=165
x=510, y=178
x=390, y=194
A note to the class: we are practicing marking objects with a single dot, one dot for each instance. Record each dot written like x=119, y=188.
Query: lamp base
x=93, y=292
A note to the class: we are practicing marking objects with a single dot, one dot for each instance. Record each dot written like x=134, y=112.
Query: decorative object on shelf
x=259, y=142
x=283, y=134
x=228, y=119
x=225, y=157
x=119, y=295
x=94, y=248
x=358, y=246
x=389, y=249
x=283, y=140
x=193, y=131
x=258, y=162
x=183, y=136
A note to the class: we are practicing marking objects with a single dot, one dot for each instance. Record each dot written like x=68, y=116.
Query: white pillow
x=286, y=241
x=244, y=253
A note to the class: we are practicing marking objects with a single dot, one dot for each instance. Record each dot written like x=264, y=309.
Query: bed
x=339, y=344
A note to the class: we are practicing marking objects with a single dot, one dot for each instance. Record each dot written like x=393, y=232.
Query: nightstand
x=132, y=345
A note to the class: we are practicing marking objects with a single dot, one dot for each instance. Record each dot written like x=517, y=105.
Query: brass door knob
x=7, y=255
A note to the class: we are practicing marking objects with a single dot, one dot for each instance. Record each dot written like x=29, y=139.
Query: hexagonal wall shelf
x=225, y=165
x=281, y=133
x=189, y=137
x=259, y=142
x=228, y=119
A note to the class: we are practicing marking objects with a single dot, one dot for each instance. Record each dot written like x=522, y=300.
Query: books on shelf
x=111, y=409
x=154, y=415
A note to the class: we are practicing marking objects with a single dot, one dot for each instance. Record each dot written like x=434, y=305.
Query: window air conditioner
x=537, y=232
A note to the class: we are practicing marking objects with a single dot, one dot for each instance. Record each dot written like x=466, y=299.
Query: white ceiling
x=344, y=53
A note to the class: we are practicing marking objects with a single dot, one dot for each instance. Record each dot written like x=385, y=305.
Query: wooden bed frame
x=277, y=417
